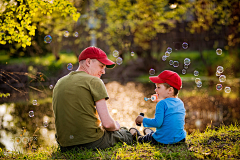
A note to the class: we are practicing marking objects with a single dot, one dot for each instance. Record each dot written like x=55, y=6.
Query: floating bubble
x=171, y=62
x=219, y=51
x=152, y=71
x=75, y=34
x=227, y=89
x=184, y=71
x=222, y=78
x=199, y=84
x=31, y=114
x=219, y=87
x=69, y=66
x=66, y=34
x=197, y=80
x=25, y=140
x=115, y=53
x=169, y=49
x=185, y=45
x=51, y=87
x=47, y=39
x=175, y=64
x=187, y=61
x=34, y=102
x=220, y=69
x=196, y=73
x=119, y=60
x=218, y=74
x=18, y=139
x=71, y=136
x=132, y=54
x=167, y=54
x=185, y=66
x=164, y=58
x=45, y=124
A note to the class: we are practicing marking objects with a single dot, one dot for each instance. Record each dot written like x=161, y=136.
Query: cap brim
x=155, y=79
x=107, y=62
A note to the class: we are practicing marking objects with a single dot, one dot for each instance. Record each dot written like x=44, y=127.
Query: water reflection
x=20, y=132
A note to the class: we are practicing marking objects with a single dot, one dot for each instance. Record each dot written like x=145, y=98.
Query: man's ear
x=88, y=61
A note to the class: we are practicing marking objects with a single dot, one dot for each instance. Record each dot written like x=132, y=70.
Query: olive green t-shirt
x=76, y=118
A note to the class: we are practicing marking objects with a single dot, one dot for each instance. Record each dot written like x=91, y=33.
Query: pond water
x=21, y=132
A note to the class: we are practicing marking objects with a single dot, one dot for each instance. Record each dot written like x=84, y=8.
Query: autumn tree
x=19, y=19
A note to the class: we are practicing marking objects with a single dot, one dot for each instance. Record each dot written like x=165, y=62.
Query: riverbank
x=215, y=143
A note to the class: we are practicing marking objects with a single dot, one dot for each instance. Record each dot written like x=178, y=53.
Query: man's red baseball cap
x=169, y=77
x=96, y=53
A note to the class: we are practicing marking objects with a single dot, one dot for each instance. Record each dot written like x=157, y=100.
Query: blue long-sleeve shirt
x=169, y=121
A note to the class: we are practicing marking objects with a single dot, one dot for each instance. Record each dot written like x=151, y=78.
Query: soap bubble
x=119, y=60
x=45, y=124
x=51, y=87
x=115, y=53
x=220, y=69
x=187, y=61
x=196, y=73
x=34, y=102
x=218, y=74
x=199, y=84
x=132, y=54
x=69, y=66
x=219, y=87
x=47, y=39
x=152, y=71
x=184, y=71
x=66, y=34
x=75, y=34
x=222, y=78
x=185, y=45
x=164, y=58
x=227, y=89
x=31, y=114
x=167, y=54
x=169, y=49
x=175, y=64
x=186, y=66
x=71, y=136
x=171, y=62
x=219, y=51
x=197, y=80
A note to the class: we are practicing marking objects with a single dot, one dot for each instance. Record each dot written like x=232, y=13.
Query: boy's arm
x=158, y=119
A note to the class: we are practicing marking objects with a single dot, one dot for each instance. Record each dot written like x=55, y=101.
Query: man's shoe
x=135, y=133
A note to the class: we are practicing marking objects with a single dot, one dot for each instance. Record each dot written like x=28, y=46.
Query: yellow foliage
x=18, y=17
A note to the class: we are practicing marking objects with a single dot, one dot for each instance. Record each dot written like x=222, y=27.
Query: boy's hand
x=139, y=119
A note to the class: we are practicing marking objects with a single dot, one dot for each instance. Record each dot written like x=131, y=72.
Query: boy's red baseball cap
x=169, y=77
x=96, y=53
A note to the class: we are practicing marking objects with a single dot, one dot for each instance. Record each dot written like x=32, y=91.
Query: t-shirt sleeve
x=98, y=89
x=158, y=119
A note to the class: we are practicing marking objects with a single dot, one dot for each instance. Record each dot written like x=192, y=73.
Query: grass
x=215, y=143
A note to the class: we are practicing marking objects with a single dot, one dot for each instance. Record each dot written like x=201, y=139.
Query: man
x=79, y=100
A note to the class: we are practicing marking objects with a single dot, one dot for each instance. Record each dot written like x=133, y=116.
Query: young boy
x=169, y=117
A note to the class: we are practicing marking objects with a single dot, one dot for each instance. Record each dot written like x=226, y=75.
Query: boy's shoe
x=147, y=131
x=135, y=133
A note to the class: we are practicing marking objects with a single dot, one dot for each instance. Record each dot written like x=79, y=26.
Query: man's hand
x=139, y=119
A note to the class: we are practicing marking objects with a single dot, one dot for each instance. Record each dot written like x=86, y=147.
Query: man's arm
x=107, y=121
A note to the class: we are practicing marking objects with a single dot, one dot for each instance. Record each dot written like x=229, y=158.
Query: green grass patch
x=217, y=143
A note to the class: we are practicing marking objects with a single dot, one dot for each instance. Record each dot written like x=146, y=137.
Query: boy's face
x=162, y=91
